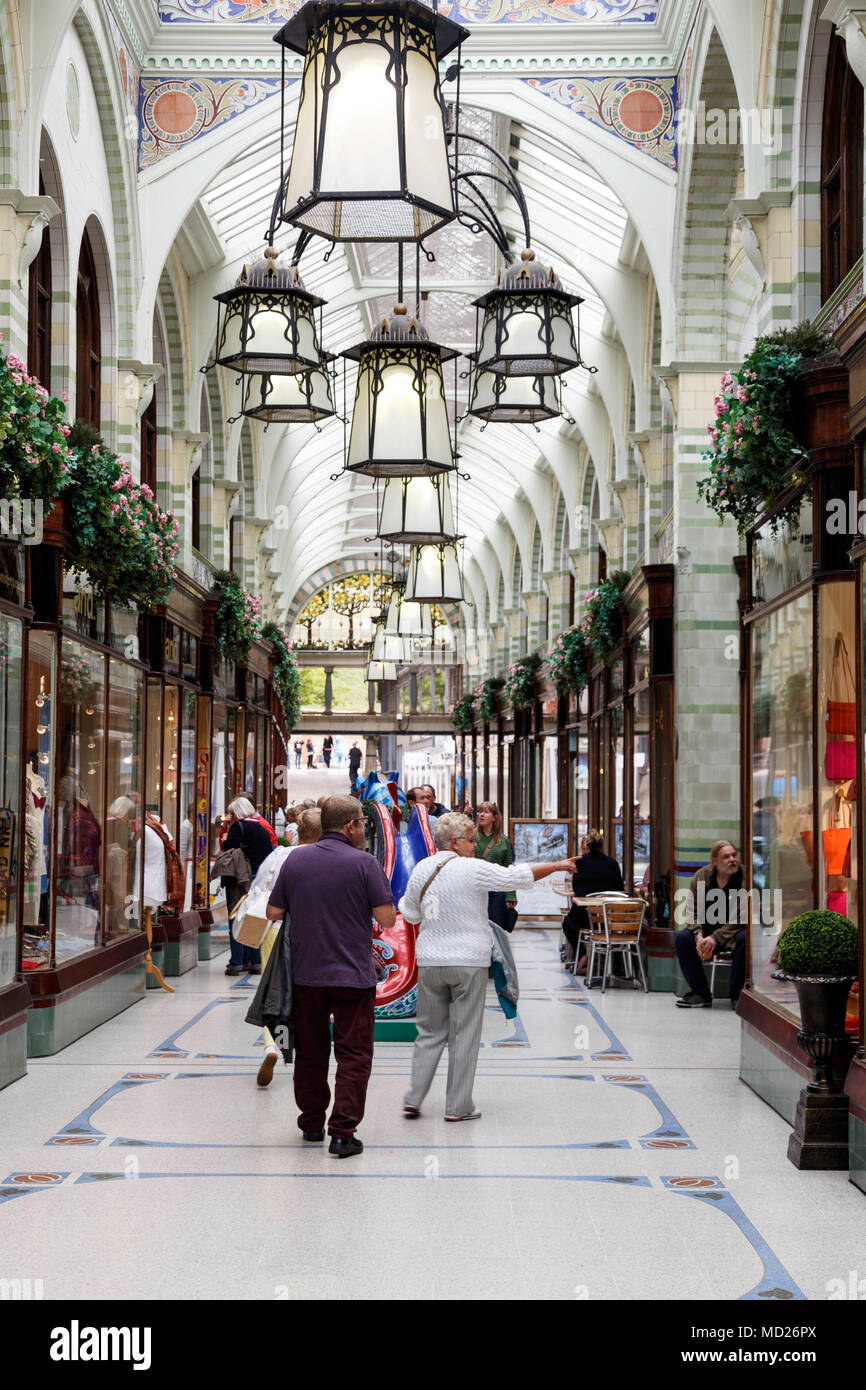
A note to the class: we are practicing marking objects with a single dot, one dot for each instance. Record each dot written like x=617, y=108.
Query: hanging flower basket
x=569, y=663
x=461, y=714
x=34, y=455
x=755, y=454
x=601, y=624
x=484, y=701
x=238, y=616
x=520, y=682
x=121, y=538
x=287, y=679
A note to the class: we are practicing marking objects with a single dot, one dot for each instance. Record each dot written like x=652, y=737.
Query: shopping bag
x=836, y=837
x=841, y=693
x=840, y=763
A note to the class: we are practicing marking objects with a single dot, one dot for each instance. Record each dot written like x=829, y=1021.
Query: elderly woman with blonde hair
x=447, y=895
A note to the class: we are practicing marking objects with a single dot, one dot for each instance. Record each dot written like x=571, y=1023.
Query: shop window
x=10, y=771
x=149, y=445
x=783, y=792
x=123, y=798
x=38, y=800
x=171, y=741
x=841, y=170
x=88, y=358
x=81, y=728
x=186, y=777
x=39, y=309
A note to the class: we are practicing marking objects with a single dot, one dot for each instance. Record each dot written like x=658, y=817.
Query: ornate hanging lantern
x=400, y=421
x=388, y=647
x=527, y=328
x=381, y=671
x=434, y=575
x=417, y=509
x=297, y=399
x=515, y=400
x=408, y=619
x=266, y=322
x=369, y=161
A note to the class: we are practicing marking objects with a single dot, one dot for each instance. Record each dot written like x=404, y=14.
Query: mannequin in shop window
x=118, y=844
x=155, y=875
x=78, y=867
x=35, y=859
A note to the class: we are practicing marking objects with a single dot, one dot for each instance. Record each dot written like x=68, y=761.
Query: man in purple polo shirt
x=331, y=890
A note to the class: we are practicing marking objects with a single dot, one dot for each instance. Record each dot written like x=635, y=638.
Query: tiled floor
x=619, y=1156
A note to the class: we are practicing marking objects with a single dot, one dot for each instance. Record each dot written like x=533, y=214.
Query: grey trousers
x=450, y=1010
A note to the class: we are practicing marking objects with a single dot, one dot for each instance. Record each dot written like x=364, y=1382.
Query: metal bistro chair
x=596, y=923
x=564, y=891
x=621, y=928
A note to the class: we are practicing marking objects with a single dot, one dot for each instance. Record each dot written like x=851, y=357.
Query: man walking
x=327, y=749
x=354, y=763
x=330, y=891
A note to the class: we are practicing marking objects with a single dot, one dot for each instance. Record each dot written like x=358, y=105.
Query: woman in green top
x=494, y=847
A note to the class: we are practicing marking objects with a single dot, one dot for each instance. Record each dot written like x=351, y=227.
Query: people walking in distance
x=327, y=749
x=309, y=830
x=330, y=891
x=355, y=756
x=311, y=754
x=299, y=751
x=713, y=923
x=252, y=835
x=447, y=894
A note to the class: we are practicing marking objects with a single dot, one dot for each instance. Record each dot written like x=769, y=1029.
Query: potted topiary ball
x=818, y=954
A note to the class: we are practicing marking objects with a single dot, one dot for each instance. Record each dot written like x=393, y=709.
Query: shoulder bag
x=840, y=762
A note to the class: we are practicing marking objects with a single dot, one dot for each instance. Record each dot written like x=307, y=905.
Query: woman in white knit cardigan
x=447, y=894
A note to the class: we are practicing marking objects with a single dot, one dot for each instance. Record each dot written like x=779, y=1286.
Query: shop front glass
x=783, y=794
x=81, y=730
x=123, y=798
x=837, y=757
x=11, y=674
x=641, y=796
x=171, y=743
x=39, y=744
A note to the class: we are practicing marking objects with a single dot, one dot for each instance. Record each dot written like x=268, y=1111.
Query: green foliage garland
x=600, y=624
x=237, y=616
x=819, y=943
x=520, y=682
x=569, y=663
x=754, y=455
x=122, y=539
x=286, y=676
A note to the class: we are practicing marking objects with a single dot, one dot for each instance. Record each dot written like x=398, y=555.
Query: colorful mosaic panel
x=172, y=112
x=462, y=11
x=641, y=111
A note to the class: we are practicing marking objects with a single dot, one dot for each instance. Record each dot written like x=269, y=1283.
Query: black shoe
x=345, y=1147
x=314, y=1136
x=695, y=1001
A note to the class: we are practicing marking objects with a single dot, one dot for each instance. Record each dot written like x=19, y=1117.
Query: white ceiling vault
x=602, y=212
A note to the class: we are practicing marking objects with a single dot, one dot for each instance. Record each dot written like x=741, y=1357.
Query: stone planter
x=820, y=1136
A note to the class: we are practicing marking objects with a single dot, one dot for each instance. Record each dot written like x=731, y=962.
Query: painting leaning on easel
x=540, y=842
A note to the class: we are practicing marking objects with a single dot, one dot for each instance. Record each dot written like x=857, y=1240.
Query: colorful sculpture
x=394, y=947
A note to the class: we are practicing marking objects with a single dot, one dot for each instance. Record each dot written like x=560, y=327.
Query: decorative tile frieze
x=641, y=111
x=474, y=12
x=173, y=112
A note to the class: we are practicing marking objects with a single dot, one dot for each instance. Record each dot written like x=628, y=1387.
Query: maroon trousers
x=353, y=1049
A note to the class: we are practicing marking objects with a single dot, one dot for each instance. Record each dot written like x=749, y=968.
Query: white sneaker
x=474, y=1115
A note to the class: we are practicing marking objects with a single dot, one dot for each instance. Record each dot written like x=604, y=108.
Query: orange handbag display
x=836, y=839
x=841, y=710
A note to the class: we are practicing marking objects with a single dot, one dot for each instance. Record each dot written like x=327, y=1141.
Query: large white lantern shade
x=527, y=329
x=434, y=575
x=408, y=619
x=369, y=161
x=417, y=509
x=266, y=322
x=517, y=400
x=400, y=420
x=301, y=398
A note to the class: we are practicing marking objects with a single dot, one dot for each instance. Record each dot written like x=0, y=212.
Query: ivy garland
x=600, y=624
x=569, y=663
x=286, y=676
x=237, y=617
x=520, y=682
x=484, y=702
x=461, y=714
